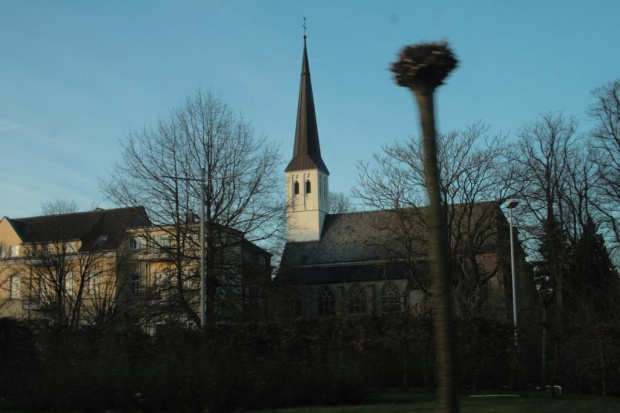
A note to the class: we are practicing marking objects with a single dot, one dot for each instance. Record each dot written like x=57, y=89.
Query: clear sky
x=76, y=76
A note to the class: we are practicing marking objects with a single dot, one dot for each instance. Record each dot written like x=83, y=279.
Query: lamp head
x=512, y=203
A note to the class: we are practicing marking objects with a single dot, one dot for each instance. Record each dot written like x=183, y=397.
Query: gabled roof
x=372, y=244
x=18, y=227
x=356, y=237
x=306, y=151
x=87, y=227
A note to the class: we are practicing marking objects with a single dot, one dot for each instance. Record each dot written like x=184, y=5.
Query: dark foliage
x=592, y=283
x=300, y=362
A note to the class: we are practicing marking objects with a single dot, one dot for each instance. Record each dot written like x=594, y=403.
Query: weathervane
x=304, y=26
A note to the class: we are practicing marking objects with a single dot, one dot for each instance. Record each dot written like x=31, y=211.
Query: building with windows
x=115, y=265
x=165, y=282
x=376, y=262
x=67, y=268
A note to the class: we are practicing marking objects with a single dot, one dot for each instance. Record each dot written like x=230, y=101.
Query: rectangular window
x=162, y=243
x=15, y=288
x=191, y=281
x=137, y=243
x=72, y=246
x=160, y=285
x=14, y=251
x=93, y=282
x=69, y=283
x=134, y=285
x=42, y=284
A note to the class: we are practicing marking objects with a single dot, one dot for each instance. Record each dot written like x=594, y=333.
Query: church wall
x=373, y=290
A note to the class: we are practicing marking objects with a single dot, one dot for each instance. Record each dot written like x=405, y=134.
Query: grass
x=396, y=402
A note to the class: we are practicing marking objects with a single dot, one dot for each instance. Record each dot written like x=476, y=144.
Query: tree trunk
x=406, y=357
x=438, y=252
x=543, y=356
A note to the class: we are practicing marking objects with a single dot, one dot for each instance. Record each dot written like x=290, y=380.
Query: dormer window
x=308, y=187
x=296, y=188
x=101, y=240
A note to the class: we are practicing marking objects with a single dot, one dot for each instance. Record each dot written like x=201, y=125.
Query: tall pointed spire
x=306, y=151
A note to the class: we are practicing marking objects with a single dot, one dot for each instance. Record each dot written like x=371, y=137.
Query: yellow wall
x=8, y=236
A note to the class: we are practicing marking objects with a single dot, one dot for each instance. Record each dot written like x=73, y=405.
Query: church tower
x=307, y=191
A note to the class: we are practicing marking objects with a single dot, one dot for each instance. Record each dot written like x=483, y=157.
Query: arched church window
x=357, y=299
x=327, y=302
x=308, y=187
x=391, y=299
x=296, y=188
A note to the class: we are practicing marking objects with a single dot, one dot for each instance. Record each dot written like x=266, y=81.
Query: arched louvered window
x=327, y=302
x=296, y=188
x=308, y=187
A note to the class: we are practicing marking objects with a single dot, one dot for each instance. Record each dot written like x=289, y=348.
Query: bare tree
x=555, y=197
x=59, y=277
x=422, y=68
x=72, y=280
x=59, y=206
x=160, y=170
x=476, y=176
x=605, y=112
x=546, y=150
x=340, y=203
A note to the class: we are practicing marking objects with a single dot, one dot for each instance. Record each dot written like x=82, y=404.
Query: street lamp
x=203, y=254
x=203, y=247
x=203, y=244
x=510, y=205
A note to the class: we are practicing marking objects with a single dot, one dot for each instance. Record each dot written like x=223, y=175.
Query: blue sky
x=76, y=76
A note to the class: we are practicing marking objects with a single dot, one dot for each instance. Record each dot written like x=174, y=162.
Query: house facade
x=167, y=279
x=67, y=268
x=116, y=266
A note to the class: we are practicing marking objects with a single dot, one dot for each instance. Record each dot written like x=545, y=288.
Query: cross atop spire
x=306, y=151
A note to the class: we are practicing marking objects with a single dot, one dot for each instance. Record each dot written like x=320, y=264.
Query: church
x=373, y=262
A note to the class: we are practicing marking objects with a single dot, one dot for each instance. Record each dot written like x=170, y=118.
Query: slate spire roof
x=306, y=151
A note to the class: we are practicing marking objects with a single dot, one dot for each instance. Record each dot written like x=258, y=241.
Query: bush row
x=285, y=363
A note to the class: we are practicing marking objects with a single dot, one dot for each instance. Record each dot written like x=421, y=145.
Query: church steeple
x=307, y=186
x=306, y=151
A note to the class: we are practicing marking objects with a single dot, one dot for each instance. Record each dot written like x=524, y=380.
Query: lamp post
x=510, y=205
x=203, y=224
x=203, y=244
x=203, y=264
